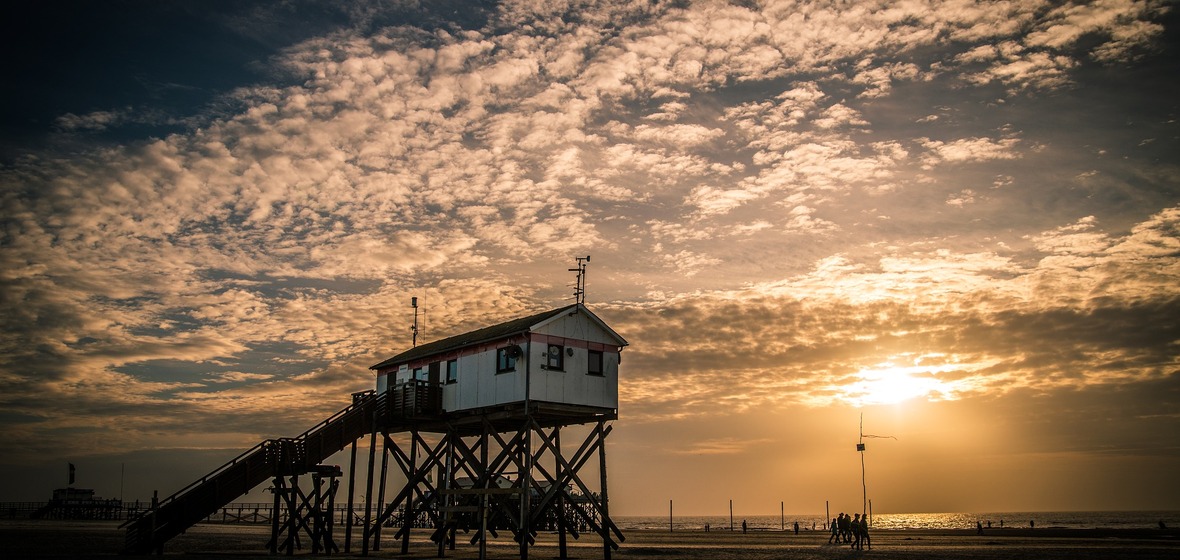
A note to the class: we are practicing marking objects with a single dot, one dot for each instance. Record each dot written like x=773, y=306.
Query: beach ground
x=92, y=539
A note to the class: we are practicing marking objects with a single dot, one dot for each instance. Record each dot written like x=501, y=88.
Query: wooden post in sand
x=369, y=490
x=669, y=516
x=351, y=491
x=731, y=515
x=604, y=510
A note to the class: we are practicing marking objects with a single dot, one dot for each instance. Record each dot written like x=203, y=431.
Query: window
x=506, y=359
x=594, y=363
x=452, y=371
x=420, y=374
x=555, y=357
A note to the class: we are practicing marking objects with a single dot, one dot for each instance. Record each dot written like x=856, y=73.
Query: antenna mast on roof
x=414, y=328
x=580, y=286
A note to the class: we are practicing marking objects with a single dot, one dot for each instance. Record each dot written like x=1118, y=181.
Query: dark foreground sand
x=81, y=539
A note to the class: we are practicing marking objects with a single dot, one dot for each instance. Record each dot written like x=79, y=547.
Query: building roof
x=488, y=334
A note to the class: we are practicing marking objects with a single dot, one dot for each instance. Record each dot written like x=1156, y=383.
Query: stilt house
x=564, y=357
x=527, y=378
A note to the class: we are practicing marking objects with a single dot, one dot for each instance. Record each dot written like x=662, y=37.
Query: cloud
x=1120, y=21
x=968, y=150
x=98, y=120
x=722, y=446
x=999, y=327
x=777, y=208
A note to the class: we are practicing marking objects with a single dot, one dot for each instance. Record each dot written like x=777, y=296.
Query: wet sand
x=82, y=539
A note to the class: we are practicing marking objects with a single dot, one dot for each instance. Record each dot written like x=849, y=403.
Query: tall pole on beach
x=731, y=515
x=860, y=446
x=669, y=516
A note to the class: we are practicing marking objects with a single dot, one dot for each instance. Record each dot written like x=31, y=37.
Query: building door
x=435, y=373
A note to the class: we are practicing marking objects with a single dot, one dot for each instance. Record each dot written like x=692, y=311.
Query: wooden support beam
x=544, y=490
x=369, y=491
x=412, y=476
x=381, y=492
x=351, y=493
x=561, y=517
x=605, y=506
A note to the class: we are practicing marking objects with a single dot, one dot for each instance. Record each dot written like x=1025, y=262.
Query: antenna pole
x=580, y=284
x=414, y=328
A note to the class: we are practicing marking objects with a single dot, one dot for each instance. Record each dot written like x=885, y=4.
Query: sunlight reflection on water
x=1066, y=519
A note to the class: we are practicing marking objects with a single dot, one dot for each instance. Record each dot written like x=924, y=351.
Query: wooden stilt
x=329, y=516
x=292, y=516
x=605, y=505
x=411, y=478
x=560, y=500
x=484, y=483
x=351, y=494
x=381, y=491
x=317, y=522
x=526, y=486
x=369, y=493
x=274, y=515
x=440, y=527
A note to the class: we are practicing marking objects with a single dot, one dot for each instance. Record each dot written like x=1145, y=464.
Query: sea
x=1012, y=519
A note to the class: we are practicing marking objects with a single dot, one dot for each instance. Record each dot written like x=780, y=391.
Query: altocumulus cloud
x=840, y=186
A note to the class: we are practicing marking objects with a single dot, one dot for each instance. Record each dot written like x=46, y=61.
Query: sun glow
x=887, y=383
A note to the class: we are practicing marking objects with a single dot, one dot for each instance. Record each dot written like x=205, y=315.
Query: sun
x=888, y=383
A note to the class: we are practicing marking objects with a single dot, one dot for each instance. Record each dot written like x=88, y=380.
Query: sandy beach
x=80, y=539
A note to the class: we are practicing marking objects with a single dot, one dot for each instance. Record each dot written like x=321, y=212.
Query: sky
x=959, y=221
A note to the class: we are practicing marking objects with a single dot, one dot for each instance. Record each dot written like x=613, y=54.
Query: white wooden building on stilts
x=483, y=413
x=478, y=419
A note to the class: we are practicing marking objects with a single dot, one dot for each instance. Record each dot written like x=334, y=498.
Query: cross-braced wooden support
x=310, y=514
x=518, y=481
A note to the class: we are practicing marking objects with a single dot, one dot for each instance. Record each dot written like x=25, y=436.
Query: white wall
x=479, y=385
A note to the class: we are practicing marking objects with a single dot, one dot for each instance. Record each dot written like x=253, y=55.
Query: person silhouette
x=864, y=532
x=835, y=532
x=855, y=527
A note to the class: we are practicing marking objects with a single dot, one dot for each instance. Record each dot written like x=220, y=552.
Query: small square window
x=506, y=359
x=594, y=363
x=555, y=357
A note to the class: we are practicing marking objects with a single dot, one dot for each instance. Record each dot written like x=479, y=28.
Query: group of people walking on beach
x=854, y=529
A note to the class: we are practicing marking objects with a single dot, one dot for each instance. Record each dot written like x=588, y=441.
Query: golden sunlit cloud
x=892, y=382
x=795, y=208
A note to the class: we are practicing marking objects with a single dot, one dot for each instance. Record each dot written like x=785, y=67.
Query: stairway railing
x=182, y=509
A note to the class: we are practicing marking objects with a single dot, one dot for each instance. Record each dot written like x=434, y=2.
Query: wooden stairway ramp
x=149, y=531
